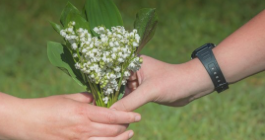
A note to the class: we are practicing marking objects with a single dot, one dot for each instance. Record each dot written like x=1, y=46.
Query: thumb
x=132, y=101
x=83, y=97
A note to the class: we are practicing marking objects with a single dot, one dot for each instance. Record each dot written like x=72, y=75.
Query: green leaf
x=80, y=22
x=69, y=8
x=83, y=13
x=56, y=27
x=145, y=23
x=60, y=57
x=102, y=12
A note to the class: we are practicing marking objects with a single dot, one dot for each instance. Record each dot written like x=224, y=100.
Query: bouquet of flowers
x=98, y=53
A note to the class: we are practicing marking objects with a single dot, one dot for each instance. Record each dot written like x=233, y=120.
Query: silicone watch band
x=206, y=56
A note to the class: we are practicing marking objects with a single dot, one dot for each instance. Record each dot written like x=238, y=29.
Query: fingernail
x=137, y=118
x=130, y=134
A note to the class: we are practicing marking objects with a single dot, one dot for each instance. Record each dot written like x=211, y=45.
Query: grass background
x=237, y=114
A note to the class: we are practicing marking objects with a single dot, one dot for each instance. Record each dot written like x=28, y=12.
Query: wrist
x=229, y=72
x=199, y=79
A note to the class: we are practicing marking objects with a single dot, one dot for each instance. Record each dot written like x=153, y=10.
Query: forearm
x=239, y=55
x=8, y=107
x=243, y=53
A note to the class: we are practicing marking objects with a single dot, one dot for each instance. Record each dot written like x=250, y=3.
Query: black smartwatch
x=206, y=56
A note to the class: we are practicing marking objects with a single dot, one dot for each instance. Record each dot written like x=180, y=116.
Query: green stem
x=119, y=86
x=122, y=73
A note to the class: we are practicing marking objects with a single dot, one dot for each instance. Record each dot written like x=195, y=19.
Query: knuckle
x=80, y=110
x=78, y=129
x=81, y=115
x=128, y=118
x=111, y=117
x=117, y=130
x=123, y=128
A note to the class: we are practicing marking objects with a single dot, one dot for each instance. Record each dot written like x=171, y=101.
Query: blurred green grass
x=237, y=114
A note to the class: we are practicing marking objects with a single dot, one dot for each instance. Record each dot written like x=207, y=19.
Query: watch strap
x=206, y=56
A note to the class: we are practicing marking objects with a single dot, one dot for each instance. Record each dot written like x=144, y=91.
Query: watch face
x=208, y=45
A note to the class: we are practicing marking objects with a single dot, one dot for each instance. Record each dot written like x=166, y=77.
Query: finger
x=133, y=76
x=130, y=87
x=133, y=100
x=104, y=115
x=124, y=136
x=132, y=84
x=81, y=97
x=127, y=91
x=107, y=130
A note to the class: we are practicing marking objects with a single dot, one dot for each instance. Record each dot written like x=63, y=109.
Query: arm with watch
x=212, y=68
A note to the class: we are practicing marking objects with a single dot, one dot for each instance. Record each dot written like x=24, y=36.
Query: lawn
x=236, y=114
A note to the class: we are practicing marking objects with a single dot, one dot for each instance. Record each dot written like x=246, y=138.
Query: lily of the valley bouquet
x=98, y=52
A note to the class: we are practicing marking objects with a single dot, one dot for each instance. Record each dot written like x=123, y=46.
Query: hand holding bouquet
x=98, y=53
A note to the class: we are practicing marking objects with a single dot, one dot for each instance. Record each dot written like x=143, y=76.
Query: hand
x=167, y=84
x=64, y=117
x=177, y=85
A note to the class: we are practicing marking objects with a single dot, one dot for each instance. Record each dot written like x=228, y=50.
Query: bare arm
x=239, y=55
x=243, y=52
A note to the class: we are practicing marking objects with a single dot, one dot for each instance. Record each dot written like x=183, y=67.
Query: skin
x=240, y=55
x=69, y=117
x=62, y=117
